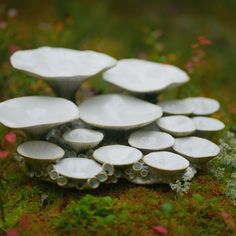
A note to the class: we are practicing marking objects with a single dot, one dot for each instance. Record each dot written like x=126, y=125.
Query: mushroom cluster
x=110, y=136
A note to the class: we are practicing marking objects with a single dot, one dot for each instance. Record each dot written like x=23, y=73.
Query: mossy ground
x=166, y=31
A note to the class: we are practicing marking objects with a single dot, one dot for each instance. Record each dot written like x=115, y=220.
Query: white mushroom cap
x=81, y=138
x=78, y=168
x=196, y=148
x=116, y=111
x=117, y=155
x=166, y=161
x=203, y=105
x=40, y=150
x=53, y=63
x=208, y=124
x=176, y=107
x=143, y=76
x=151, y=140
x=177, y=125
x=37, y=114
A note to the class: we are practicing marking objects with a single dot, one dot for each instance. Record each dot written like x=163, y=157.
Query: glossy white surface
x=151, y=140
x=81, y=138
x=143, y=76
x=59, y=63
x=166, y=161
x=40, y=150
x=118, y=155
x=177, y=125
x=115, y=111
x=78, y=168
x=195, y=147
x=176, y=107
x=208, y=124
x=37, y=113
x=203, y=105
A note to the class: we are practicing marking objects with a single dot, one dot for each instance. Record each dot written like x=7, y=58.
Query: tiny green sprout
x=198, y=198
x=167, y=208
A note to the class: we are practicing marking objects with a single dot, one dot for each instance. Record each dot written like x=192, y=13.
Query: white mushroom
x=151, y=140
x=117, y=155
x=63, y=68
x=37, y=114
x=177, y=125
x=176, y=107
x=166, y=161
x=203, y=105
x=115, y=111
x=77, y=168
x=82, y=139
x=143, y=76
x=196, y=149
x=208, y=124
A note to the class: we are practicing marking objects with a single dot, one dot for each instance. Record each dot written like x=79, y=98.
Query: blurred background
x=198, y=36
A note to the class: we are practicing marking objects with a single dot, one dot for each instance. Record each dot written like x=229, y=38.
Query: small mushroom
x=176, y=107
x=40, y=153
x=151, y=140
x=195, y=149
x=177, y=125
x=117, y=155
x=166, y=162
x=203, y=106
x=82, y=139
x=208, y=124
x=77, y=168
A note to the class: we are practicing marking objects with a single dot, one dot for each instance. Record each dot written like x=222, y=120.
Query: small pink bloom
x=233, y=110
x=160, y=230
x=12, y=232
x=12, y=48
x=3, y=154
x=3, y=24
x=204, y=41
x=12, y=12
x=10, y=137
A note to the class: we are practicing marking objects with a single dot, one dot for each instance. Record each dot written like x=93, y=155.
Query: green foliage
x=96, y=212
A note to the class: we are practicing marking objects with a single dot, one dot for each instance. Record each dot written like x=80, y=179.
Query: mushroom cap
x=115, y=111
x=176, y=107
x=203, y=105
x=40, y=150
x=195, y=147
x=142, y=76
x=82, y=135
x=166, y=161
x=77, y=168
x=32, y=111
x=57, y=63
x=151, y=140
x=117, y=155
x=177, y=125
x=208, y=124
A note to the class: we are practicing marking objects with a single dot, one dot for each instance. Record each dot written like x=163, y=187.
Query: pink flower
x=12, y=232
x=204, y=40
x=12, y=48
x=10, y=137
x=160, y=230
x=233, y=110
x=12, y=12
x=3, y=24
x=3, y=154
